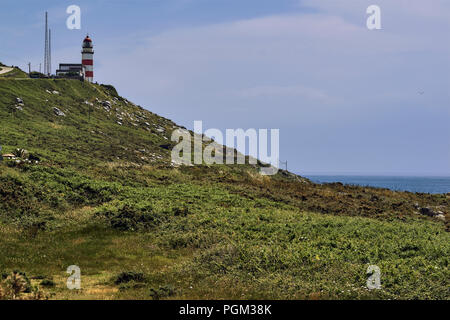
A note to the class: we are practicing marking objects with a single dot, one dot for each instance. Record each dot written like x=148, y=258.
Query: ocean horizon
x=416, y=184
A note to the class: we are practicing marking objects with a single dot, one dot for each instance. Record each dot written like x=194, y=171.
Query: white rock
x=58, y=112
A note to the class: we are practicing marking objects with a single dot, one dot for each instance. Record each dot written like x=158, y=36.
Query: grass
x=241, y=254
x=104, y=196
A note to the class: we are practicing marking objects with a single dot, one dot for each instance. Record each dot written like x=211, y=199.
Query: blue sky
x=346, y=99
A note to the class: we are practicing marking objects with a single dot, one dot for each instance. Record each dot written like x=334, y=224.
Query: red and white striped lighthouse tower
x=88, y=59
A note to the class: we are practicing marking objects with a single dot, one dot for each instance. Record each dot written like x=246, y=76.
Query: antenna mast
x=46, y=45
x=49, y=52
x=48, y=48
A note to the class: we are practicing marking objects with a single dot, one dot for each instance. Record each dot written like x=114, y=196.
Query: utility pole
x=285, y=163
x=29, y=68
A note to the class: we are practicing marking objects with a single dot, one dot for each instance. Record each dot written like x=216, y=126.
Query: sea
x=398, y=183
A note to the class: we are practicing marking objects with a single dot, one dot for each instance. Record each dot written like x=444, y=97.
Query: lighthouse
x=88, y=59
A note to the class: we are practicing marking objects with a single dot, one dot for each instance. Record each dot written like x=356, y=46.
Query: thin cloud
x=285, y=91
x=324, y=70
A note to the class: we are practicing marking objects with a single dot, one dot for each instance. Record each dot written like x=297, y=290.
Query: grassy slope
x=90, y=134
x=16, y=73
x=105, y=198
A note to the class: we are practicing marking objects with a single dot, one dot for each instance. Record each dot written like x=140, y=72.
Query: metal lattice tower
x=48, y=48
x=46, y=45
x=49, y=51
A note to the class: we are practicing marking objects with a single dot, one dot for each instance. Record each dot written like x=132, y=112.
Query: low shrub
x=180, y=211
x=14, y=285
x=162, y=292
x=47, y=283
x=126, y=216
x=129, y=276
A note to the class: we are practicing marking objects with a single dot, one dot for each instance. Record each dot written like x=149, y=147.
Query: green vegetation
x=98, y=191
x=36, y=75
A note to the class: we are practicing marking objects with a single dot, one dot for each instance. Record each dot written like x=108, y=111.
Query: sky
x=346, y=99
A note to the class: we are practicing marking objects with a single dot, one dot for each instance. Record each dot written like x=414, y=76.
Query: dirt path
x=5, y=70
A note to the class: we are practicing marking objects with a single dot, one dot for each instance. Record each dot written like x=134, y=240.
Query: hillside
x=99, y=191
x=11, y=72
